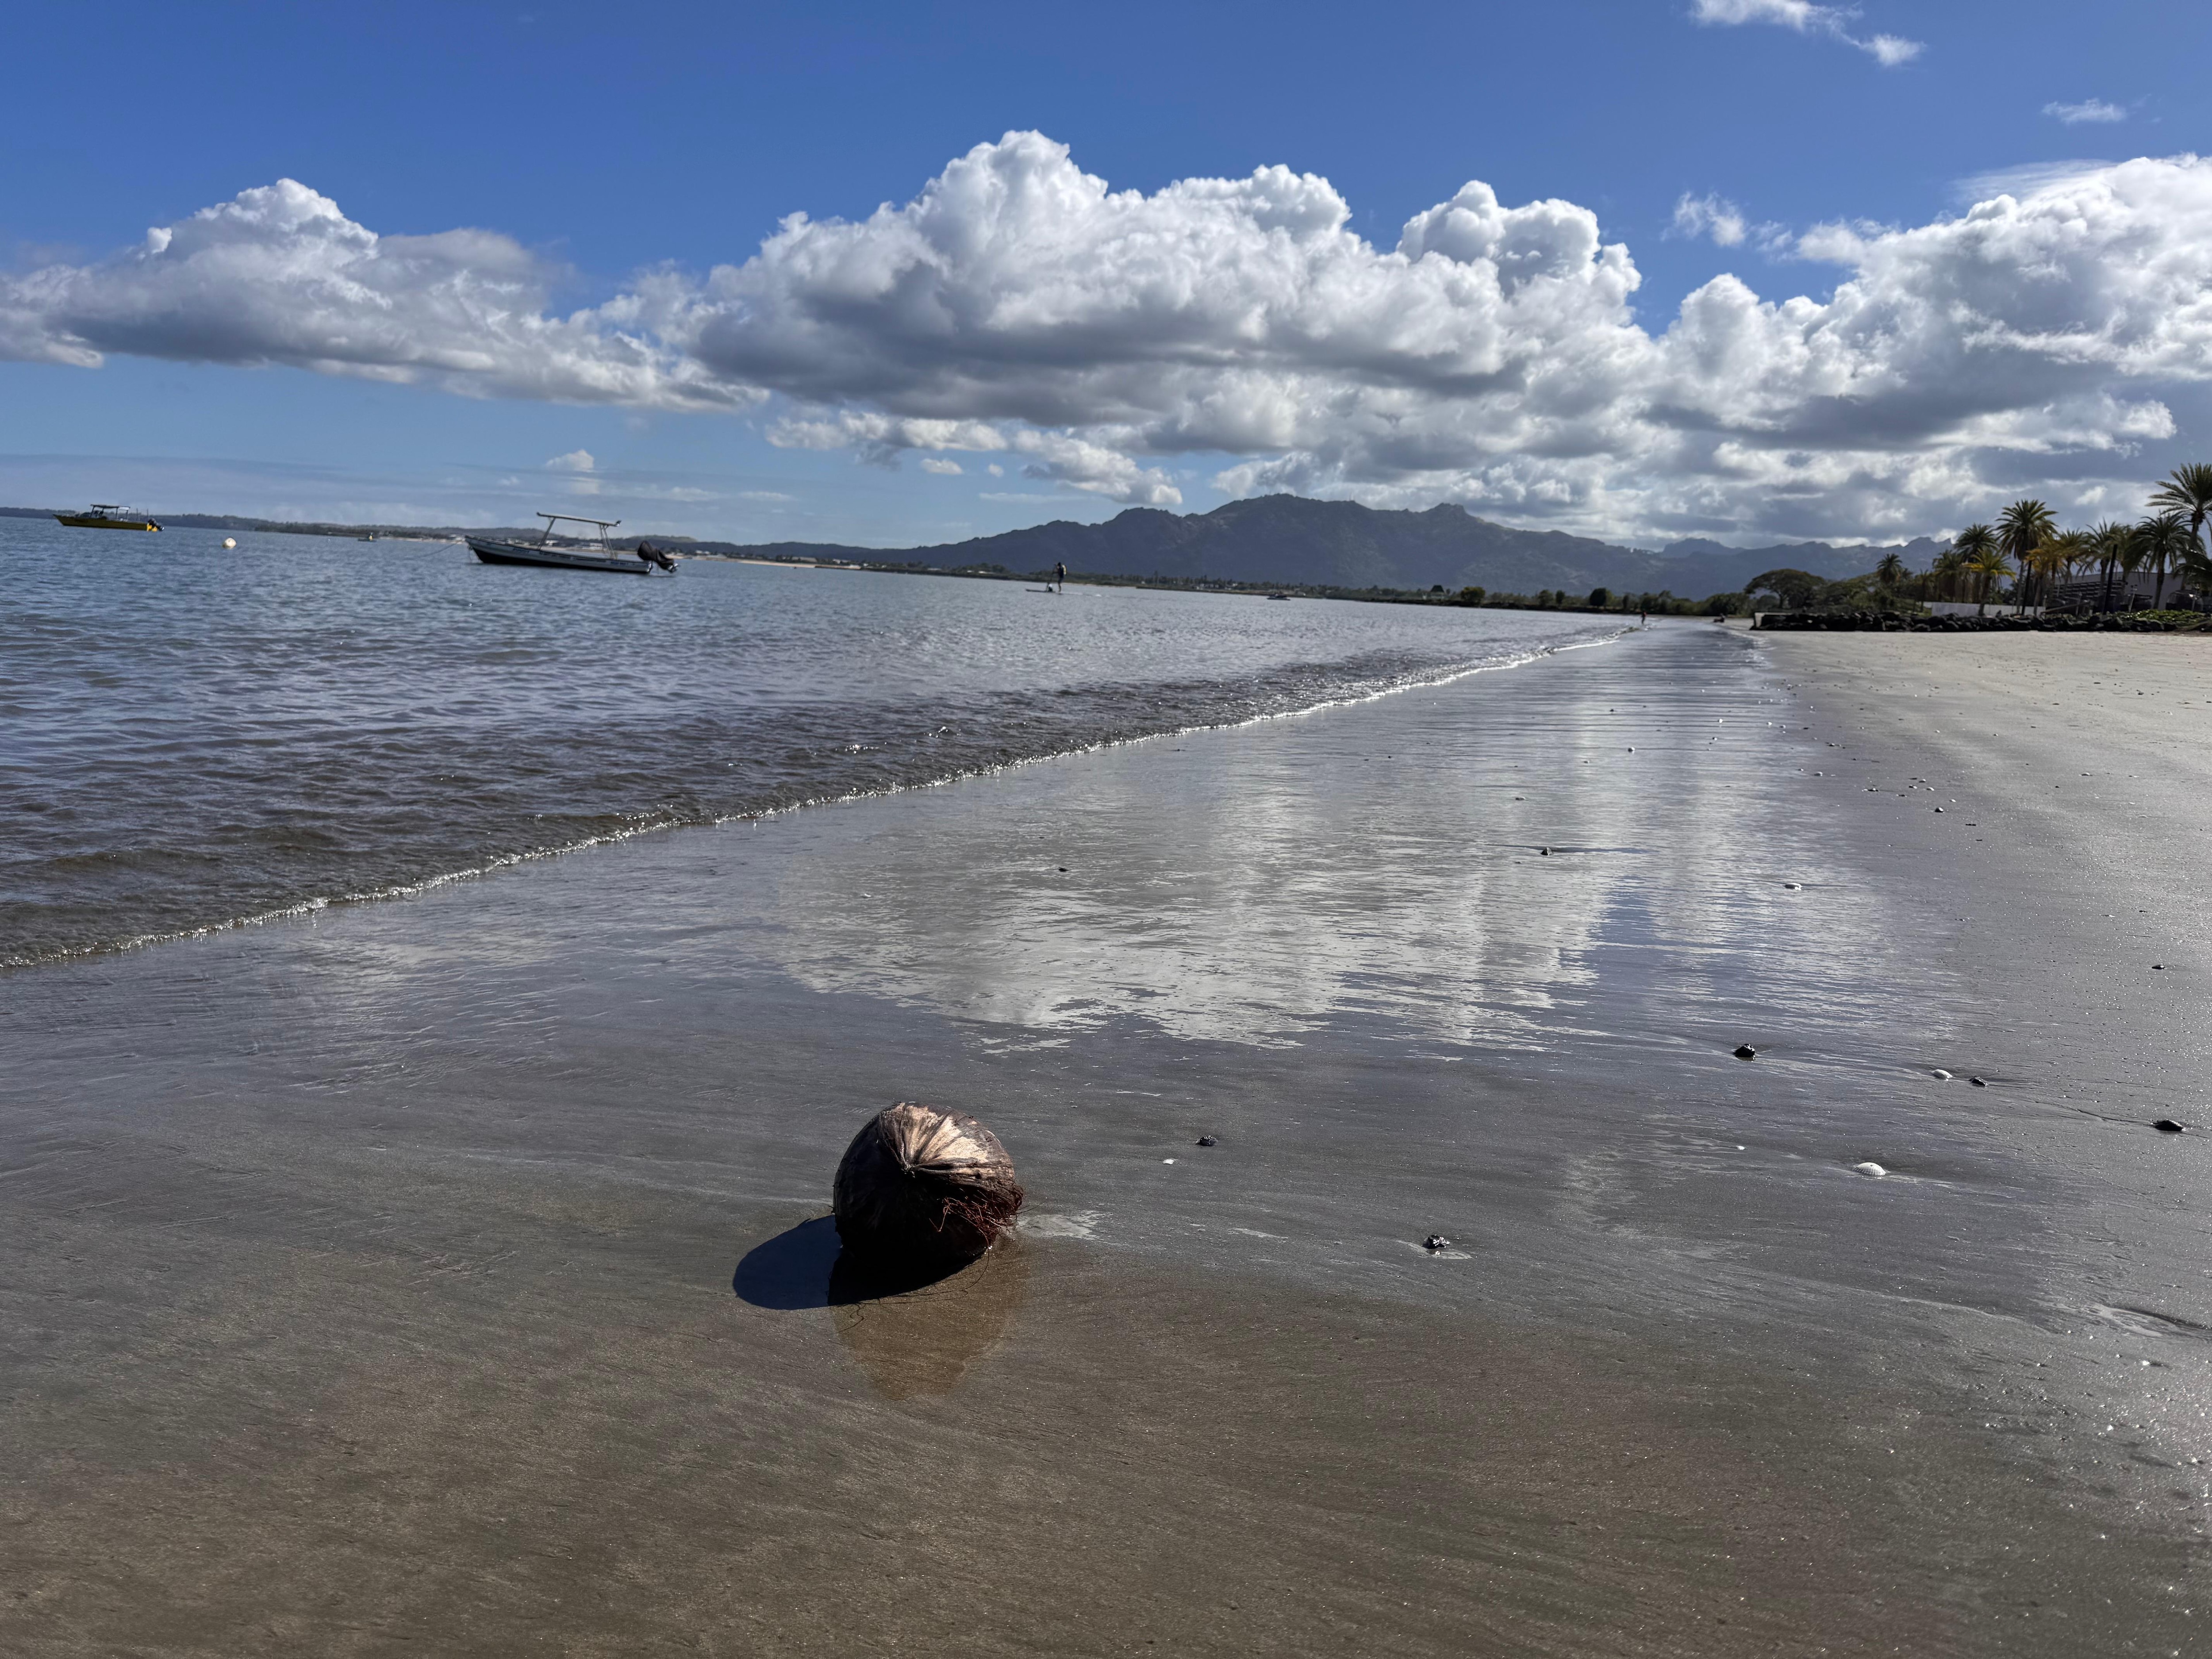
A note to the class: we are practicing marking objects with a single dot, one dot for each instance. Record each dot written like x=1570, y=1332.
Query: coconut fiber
x=918, y=1185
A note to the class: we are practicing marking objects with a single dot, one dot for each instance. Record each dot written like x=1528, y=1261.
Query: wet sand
x=446, y=1277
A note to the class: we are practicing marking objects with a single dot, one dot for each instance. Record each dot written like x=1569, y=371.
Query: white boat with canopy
x=575, y=552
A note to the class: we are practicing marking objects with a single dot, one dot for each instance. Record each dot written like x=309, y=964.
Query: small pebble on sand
x=1206, y=1141
x=2167, y=1125
x=1745, y=1051
x=1978, y=1083
x=1792, y=887
x=1436, y=1242
x=1870, y=1168
x=1941, y=1073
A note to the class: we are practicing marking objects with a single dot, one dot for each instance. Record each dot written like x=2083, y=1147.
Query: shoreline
x=504, y=863
x=388, y=1254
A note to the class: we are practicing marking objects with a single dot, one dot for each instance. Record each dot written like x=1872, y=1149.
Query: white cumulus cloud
x=942, y=465
x=2089, y=110
x=1807, y=18
x=576, y=460
x=279, y=274
x=1021, y=312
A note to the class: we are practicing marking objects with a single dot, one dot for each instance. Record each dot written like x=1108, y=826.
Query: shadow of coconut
x=791, y=1270
x=912, y=1333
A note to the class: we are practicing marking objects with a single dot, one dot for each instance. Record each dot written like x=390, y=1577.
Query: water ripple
x=193, y=737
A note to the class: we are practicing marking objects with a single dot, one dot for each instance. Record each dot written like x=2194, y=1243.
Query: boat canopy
x=552, y=519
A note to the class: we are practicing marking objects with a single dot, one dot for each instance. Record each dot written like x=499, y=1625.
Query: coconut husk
x=918, y=1184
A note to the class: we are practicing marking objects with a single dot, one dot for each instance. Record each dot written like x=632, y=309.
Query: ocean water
x=192, y=737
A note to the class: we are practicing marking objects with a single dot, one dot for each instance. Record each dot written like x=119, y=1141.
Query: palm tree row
x=2026, y=543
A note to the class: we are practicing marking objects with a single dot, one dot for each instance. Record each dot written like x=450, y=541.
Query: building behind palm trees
x=2127, y=590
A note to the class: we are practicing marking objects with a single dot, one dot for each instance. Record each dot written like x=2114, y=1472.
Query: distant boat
x=106, y=515
x=571, y=553
x=1278, y=596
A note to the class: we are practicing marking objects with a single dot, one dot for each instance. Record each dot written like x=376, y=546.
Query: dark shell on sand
x=921, y=1185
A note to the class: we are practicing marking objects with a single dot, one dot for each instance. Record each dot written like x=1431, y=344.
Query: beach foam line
x=1444, y=674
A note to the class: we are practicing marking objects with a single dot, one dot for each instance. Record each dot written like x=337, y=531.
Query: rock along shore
x=1896, y=621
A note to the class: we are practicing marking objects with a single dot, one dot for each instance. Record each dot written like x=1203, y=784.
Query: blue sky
x=603, y=143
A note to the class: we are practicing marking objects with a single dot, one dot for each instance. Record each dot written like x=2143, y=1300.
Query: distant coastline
x=1270, y=544
x=686, y=546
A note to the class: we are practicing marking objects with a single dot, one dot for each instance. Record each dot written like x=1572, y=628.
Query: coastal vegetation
x=2024, y=559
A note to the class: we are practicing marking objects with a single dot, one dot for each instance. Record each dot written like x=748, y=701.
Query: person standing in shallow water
x=1060, y=576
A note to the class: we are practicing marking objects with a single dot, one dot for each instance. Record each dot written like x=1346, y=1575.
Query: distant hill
x=1704, y=559
x=1291, y=540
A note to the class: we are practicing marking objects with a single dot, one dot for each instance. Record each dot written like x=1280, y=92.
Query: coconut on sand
x=922, y=1186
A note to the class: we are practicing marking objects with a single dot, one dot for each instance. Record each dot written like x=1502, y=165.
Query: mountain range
x=1293, y=541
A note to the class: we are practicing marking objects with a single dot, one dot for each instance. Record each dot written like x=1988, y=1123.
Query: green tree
x=2108, y=545
x=2133, y=550
x=1796, y=589
x=1891, y=572
x=1947, y=575
x=1599, y=597
x=2022, y=528
x=1987, y=566
x=2187, y=489
x=2060, y=553
x=2164, y=539
x=1970, y=549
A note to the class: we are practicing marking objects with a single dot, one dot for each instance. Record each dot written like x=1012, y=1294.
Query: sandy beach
x=447, y=1275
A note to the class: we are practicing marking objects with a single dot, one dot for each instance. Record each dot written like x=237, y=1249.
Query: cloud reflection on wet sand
x=1382, y=866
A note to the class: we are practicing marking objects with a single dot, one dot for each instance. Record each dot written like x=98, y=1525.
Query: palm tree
x=2187, y=489
x=1987, y=566
x=2023, y=528
x=2164, y=539
x=2132, y=550
x=2108, y=545
x=2060, y=553
x=1969, y=548
x=2197, y=567
x=1891, y=571
x=2077, y=551
x=1942, y=579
